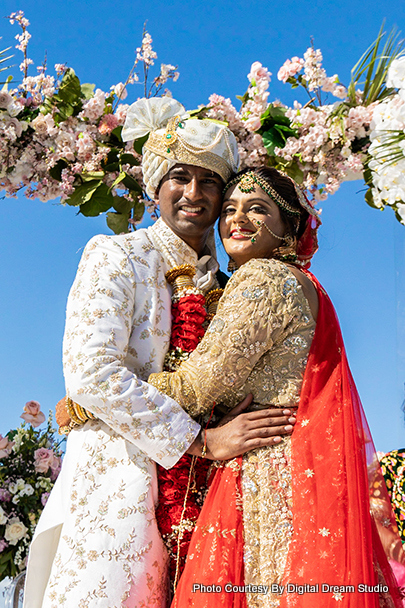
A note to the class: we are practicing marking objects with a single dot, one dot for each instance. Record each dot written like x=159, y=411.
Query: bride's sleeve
x=253, y=312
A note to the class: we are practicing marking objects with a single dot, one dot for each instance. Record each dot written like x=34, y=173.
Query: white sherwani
x=97, y=544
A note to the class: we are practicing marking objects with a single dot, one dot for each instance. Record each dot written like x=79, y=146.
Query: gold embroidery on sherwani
x=258, y=343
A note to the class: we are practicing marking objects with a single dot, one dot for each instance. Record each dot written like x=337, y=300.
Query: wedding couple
x=292, y=509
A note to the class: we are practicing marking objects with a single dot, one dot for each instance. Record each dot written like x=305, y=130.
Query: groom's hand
x=241, y=432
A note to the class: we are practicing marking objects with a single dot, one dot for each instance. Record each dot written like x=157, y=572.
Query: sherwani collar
x=174, y=250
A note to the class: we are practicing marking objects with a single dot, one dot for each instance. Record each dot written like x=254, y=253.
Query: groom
x=97, y=543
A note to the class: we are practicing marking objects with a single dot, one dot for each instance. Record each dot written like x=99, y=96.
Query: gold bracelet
x=77, y=413
x=204, y=447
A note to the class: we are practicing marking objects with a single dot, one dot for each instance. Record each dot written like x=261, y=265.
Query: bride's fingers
x=253, y=444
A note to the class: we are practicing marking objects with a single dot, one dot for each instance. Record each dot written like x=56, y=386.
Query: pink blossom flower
x=121, y=113
x=5, y=448
x=120, y=90
x=60, y=68
x=258, y=72
x=253, y=123
x=19, y=17
x=290, y=68
x=45, y=459
x=32, y=413
x=5, y=495
x=107, y=124
x=340, y=91
x=94, y=107
x=145, y=52
x=44, y=498
x=3, y=545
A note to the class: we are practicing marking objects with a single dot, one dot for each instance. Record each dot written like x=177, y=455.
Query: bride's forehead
x=236, y=196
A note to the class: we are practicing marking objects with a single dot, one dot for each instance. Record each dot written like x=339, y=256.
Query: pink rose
x=33, y=414
x=5, y=99
x=44, y=460
x=5, y=447
x=257, y=72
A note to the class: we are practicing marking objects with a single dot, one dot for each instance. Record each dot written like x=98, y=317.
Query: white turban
x=176, y=138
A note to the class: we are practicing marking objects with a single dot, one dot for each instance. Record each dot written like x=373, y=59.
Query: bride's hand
x=244, y=432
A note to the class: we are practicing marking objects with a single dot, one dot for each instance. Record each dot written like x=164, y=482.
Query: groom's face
x=190, y=201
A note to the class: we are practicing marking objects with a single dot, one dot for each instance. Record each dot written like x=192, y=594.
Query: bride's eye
x=228, y=210
x=258, y=209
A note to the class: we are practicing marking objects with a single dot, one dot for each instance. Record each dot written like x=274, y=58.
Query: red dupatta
x=335, y=540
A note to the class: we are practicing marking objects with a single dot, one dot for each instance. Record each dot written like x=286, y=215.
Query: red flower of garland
x=188, y=316
x=177, y=506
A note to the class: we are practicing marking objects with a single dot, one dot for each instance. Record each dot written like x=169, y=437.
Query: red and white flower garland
x=183, y=487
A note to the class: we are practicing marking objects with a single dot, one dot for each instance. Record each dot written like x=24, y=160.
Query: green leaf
x=373, y=65
x=199, y=112
x=116, y=134
x=122, y=204
x=118, y=222
x=292, y=169
x=275, y=114
x=367, y=175
x=273, y=139
x=131, y=183
x=70, y=90
x=100, y=201
x=89, y=175
x=87, y=90
x=83, y=193
x=139, y=210
x=118, y=180
x=129, y=159
x=369, y=199
x=244, y=98
x=56, y=170
x=139, y=143
x=111, y=163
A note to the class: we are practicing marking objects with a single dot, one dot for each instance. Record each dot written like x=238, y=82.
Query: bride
x=290, y=524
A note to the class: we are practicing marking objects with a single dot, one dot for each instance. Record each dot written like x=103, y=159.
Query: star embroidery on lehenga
x=304, y=422
x=315, y=368
x=324, y=531
x=338, y=597
x=309, y=473
x=323, y=554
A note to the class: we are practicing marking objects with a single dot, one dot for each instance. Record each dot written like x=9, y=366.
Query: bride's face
x=242, y=233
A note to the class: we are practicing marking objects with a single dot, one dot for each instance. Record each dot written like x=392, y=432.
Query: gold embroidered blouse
x=257, y=343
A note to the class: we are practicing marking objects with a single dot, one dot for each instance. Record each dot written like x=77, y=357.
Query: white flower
x=27, y=490
x=15, y=531
x=3, y=517
x=396, y=74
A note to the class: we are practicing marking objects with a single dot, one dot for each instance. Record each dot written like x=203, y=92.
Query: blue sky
x=362, y=251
